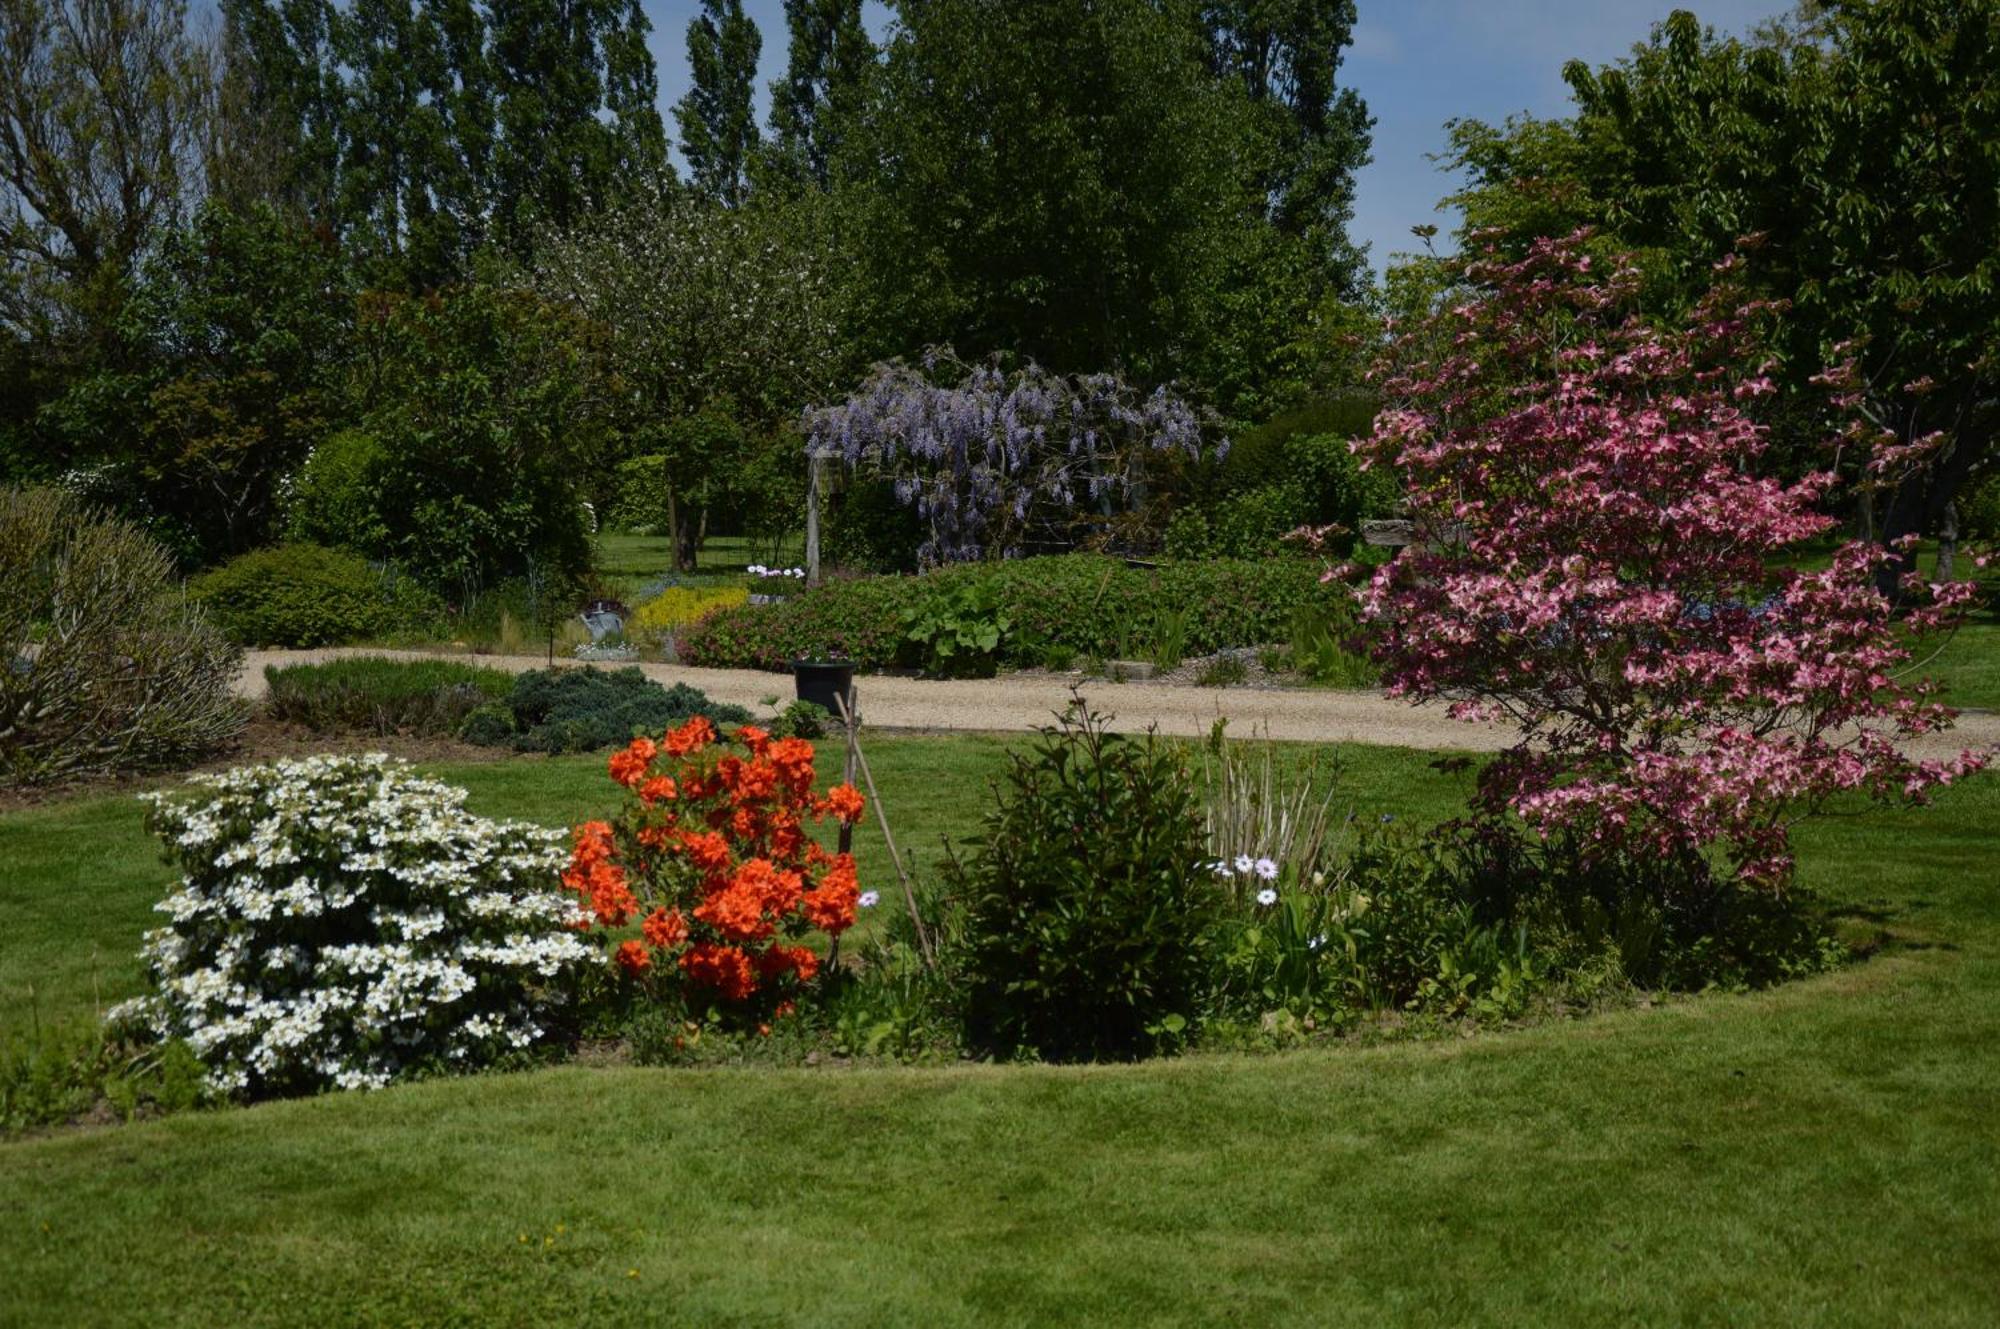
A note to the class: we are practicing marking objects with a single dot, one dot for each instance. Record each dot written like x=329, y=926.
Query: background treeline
x=420, y=278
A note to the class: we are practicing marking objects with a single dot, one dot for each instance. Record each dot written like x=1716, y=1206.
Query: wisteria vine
x=994, y=460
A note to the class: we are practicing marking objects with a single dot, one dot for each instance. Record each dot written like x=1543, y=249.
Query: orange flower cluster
x=714, y=857
x=594, y=874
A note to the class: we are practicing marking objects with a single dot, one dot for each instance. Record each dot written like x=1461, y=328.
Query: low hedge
x=1078, y=604
x=372, y=694
x=307, y=595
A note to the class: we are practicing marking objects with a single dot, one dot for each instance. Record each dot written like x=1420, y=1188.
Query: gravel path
x=1011, y=704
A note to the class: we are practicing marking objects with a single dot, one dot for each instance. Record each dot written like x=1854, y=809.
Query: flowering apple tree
x=1599, y=559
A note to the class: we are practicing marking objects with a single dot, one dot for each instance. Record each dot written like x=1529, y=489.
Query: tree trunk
x=674, y=530
x=1947, y=542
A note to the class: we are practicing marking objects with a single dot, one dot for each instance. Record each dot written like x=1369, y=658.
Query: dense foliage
x=1087, y=896
x=1855, y=142
x=343, y=923
x=1077, y=606
x=105, y=664
x=306, y=595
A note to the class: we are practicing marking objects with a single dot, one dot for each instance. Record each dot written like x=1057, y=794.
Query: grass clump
x=377, y=695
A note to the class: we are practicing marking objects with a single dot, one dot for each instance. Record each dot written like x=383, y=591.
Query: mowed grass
x=1822, y=1153
x=627, y=563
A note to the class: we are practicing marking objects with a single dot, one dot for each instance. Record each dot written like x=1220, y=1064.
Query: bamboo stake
x=888, y=836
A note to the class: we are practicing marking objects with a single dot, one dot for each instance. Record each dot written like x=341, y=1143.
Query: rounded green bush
x=304, y=595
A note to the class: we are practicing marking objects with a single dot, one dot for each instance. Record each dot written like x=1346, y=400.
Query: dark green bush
x=1294, y=470
x=580, y=710
x=1086, y=899
x=307, y=595
x=867, y=530
x=1084, y=604
x=374, y=695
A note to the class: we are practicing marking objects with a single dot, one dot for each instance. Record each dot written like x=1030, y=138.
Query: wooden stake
x=888, y=836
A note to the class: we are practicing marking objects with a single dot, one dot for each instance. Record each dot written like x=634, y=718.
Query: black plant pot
x=825, y=683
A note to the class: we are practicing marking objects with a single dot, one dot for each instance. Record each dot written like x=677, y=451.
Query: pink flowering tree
x=1599, y=560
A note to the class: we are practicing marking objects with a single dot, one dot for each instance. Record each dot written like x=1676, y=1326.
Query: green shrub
x=802, y=719
x=337, y=498
x=1086, y=899
x=1241, y=602
x=858, y=620
x=105, y=665
x=1294, y=470
x=580, y=710
x=307, y=595
x=1979, y=510
x=381, y=696
x=1327, y=648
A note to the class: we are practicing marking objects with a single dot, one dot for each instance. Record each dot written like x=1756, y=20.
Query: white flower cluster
x=759, y=570
x=342, y=921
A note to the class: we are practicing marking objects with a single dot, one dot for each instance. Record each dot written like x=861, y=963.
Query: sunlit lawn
x=1824, y=1153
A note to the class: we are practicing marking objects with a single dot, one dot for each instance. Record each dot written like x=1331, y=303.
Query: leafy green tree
x=828, y=63
x=1052, y=177
x=718, y=117
x=1856, y=144
x=236, y=332
x=1287, y=54
x=575, y=125
x=486, y=408
x=102, y=114
x=281, y=106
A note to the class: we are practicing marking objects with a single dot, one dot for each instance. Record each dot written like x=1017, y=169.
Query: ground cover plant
x=1610, y=1149
x=577, y=710
x=379, y=695
x=105, y=665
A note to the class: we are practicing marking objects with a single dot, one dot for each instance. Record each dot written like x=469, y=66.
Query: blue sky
x=1417, y=63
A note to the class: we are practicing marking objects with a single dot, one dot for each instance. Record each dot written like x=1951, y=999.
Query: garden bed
x=1610, y=1149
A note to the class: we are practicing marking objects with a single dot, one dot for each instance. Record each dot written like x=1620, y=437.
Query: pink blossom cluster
x=1601, y=560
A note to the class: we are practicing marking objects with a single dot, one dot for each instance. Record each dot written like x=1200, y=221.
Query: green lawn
x=1824, y=1153
x=629, y=562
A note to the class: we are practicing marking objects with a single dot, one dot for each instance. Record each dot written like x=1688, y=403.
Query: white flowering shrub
x=343, y=922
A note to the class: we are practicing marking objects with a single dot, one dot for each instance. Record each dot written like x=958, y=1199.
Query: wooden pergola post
x=815, y=461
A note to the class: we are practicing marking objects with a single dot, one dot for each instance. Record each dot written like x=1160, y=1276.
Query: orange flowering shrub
x=710, y=855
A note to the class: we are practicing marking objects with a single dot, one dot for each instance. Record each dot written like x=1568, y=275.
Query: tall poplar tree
x=1287, y=55
x=558, y=155
x=825, y=82
x=718, y=117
